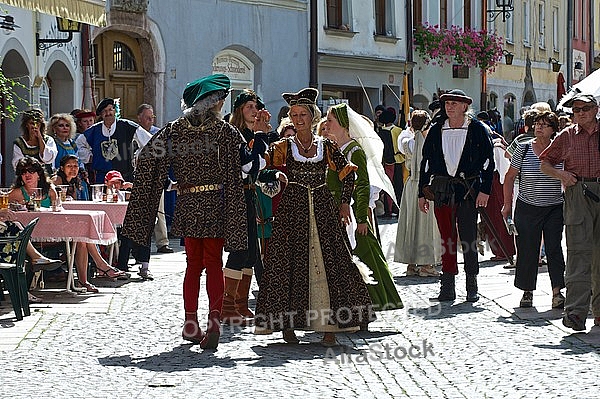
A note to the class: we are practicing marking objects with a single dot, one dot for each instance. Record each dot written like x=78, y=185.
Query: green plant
x=472, y=48
x=7, y=92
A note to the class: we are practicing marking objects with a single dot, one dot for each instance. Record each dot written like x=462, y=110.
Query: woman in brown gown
x=309, y=280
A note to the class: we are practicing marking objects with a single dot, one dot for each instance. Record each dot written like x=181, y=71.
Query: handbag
x=439, y=190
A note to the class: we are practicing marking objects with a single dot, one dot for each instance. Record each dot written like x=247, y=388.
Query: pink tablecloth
x=115, y=210
x=70, y=225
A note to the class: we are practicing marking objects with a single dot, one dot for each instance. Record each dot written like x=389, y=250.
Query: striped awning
x=92, y=12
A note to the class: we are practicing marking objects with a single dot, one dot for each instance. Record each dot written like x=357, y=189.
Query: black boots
x=472, y=295
x=447, y=289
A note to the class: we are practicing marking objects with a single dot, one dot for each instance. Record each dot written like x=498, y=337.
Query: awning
x=92, y=12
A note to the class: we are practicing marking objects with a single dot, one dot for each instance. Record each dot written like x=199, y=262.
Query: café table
x=71, y=227
x=114, y=210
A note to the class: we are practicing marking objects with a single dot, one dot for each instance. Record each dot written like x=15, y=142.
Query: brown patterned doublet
x=283, y=299
x=199, y=155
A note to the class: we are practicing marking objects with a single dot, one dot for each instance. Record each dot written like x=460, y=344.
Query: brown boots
x=241, y=299
x=235, y=298
x=191, y=330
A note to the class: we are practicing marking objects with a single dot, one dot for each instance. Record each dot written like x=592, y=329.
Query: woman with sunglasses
x=33, y=142
x=538, y=210
x=31, y=175
x=62, y=128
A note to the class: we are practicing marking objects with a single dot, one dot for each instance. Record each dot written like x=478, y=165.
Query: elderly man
x=578, y=147
x=210, y=213
x=114, y=142
x=146, y=118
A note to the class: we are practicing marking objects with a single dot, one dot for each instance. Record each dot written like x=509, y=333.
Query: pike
x=367, y=96
x=487, y=221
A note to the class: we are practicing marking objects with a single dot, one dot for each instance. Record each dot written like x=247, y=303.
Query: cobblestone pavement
x=126, y=343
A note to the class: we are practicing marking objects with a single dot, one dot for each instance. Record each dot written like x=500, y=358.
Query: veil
x=361, y=130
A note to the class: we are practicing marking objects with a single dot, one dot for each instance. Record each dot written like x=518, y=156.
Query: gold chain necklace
x=306, y=150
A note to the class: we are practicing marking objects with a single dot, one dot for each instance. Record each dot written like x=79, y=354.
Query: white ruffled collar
x=300, y=158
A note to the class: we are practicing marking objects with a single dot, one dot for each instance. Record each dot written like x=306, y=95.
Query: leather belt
x=249, y=186
x=200, y=189
x=589, y=179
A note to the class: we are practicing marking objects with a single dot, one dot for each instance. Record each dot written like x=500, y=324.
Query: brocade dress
x=309, y=280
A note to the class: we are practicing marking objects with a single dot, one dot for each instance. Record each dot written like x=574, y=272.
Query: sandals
x=33, y=299
x=112, y=274
x=89, y=287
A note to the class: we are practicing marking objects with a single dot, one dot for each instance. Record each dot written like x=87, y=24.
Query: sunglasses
x=31, y=171
x=584, y=109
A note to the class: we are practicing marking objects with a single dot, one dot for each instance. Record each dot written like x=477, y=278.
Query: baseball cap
x=113, y=175
x=586, y=98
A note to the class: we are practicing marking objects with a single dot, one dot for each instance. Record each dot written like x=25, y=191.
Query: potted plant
x=468, y=47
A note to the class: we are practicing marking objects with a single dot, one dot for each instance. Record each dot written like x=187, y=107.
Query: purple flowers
x=472, y=48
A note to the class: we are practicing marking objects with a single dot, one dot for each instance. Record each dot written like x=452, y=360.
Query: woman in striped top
x=538, y=211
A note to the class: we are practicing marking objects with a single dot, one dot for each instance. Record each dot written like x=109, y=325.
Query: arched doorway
x=240, y=71
x=118, y=71
x=61, y=88
x=16, y=69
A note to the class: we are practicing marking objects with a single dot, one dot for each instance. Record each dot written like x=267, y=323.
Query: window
x=491, y=25
x=526, y=24
x=384, y=18
x=555, y=44
x=510, y=27
x=541, y=25
x=444, y=13
x=338, y=15
x=467, y=14
x=123, y=59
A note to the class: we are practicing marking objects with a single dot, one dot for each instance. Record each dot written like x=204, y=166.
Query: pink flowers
x=472, y=48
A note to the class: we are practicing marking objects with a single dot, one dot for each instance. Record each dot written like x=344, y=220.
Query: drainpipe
x=313, y=80
x=592, y=50
x=483, y=98
x=569, y=44
x=409, y=42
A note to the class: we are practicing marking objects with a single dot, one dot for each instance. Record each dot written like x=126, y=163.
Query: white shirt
x=453, y=142
x=48, y=156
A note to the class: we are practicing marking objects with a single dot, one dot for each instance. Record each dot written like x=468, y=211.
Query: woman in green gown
x=360, y=144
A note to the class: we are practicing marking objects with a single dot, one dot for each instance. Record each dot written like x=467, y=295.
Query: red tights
x=203, y=253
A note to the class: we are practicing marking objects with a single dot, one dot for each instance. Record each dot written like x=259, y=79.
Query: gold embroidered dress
x=309, y=279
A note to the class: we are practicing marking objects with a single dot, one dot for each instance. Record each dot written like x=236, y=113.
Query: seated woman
x=30, y=175
x=38, y=262
x=68, y=174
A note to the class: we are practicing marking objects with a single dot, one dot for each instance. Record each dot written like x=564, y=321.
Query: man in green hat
x=210, y=212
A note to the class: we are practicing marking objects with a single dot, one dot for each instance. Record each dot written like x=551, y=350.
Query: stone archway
x=16, y=69
x=61, y=88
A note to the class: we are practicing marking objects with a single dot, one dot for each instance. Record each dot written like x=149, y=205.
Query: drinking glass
x=4, y=197
x=97, y=192
x=36, y=196
x=63, y=192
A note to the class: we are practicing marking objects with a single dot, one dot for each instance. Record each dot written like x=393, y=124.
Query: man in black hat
x=114, y=142
x=578, y=148
x=456, y=173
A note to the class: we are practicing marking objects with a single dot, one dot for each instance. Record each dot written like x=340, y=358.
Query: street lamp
x=504, y=7
x=508, y=57
x=555, y=64
x=64, y=25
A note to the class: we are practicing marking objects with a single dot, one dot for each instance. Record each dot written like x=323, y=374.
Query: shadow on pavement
x=570, y=345
x=536, y=321
x=412, y=280
x=180, y=358
x=445, y=310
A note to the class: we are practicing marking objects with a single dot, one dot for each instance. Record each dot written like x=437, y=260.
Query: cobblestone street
x=126, y=343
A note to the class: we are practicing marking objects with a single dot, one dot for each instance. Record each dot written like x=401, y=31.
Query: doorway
x=118, y=71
